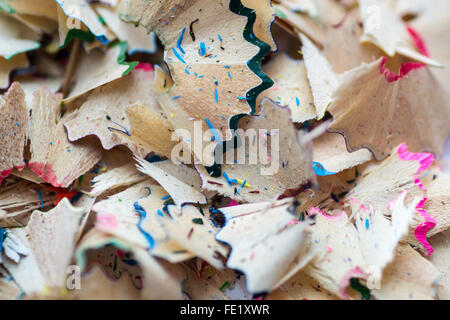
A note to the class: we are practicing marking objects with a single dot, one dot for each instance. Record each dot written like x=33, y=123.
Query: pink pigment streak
x=144, y=66
x=425, y=160
x=20, y=168
x=422, y=229
x=233, y=203
x=37, y=167
x=313, y=210
x=396, y=199
x=4, y=174
x=46, y=172
x=419, y=42
x=405, y=68
x=106, y=221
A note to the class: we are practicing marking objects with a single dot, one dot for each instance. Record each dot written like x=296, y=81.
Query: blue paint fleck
x=202, y=49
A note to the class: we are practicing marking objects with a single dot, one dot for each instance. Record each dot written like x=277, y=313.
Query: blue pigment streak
x=175, y=52
x=180, y=40
x=230, y=181
x=243, y=184
x=2, y=237
x=320, y=170
x=143, y=215
x=40, y=198
x=214, y=131
x=103, y=39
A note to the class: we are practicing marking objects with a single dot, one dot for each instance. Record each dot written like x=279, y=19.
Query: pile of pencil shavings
x=224, y=149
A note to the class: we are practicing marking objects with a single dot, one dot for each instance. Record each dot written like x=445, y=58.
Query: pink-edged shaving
x=356, y=272
x=46, y=172
x=422, y=229
x=405, y=68
x=425, y=160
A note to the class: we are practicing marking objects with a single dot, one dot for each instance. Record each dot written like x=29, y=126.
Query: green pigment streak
x=254, y=65
x=356, y=285
x=78, y=34
x=123, y=55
